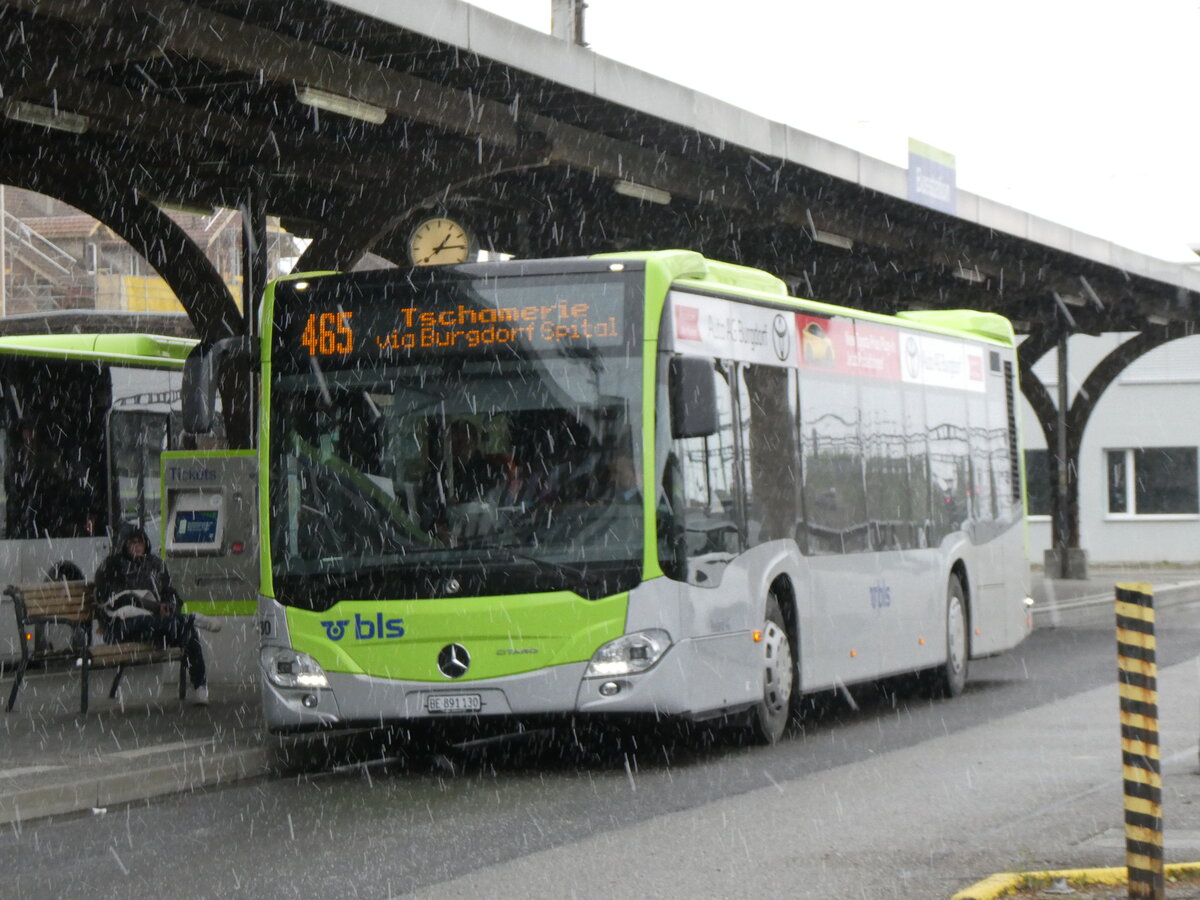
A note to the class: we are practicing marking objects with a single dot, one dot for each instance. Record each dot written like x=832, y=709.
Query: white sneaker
x=204, y=623
x=200, y=696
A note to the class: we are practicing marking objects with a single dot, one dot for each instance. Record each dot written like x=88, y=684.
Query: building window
x=1039, y=491
x=1153, y=481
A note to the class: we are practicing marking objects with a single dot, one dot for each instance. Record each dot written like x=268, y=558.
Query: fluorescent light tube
x=833, y=240
x=343, y=106
x=641, y=192
x=46, y=117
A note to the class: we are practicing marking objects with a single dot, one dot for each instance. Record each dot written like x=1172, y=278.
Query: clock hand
x=439, y=249
x=442, y=246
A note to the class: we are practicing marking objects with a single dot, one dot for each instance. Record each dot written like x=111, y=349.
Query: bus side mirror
x=202, y=371
x=693, y=394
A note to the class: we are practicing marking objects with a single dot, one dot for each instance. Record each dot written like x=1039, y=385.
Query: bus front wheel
x=769, y=717
x=949, y=679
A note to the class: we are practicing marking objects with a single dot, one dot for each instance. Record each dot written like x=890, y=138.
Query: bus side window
x=672, y=549
x=949, y=462
x=834, y=493
x=768, y=441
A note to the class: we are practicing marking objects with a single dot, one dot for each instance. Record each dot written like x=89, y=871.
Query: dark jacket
x=141, y=583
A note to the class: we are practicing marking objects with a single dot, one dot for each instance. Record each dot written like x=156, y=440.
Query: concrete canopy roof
x=517, y=133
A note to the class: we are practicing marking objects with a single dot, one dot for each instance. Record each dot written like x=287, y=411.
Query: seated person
x=518, y=485
x=622, y=485
x=468, y=478
x=136, y=602
x=472, y=475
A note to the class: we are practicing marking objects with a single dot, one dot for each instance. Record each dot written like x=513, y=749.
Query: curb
x=1007, y=883
x=1165, y=592
x=96, y=793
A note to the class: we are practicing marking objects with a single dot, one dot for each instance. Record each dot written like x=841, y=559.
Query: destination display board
x=347, y=321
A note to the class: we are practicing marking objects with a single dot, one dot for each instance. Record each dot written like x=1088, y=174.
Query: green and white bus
x=85, y=418
x=83, y=421
x=645, y=483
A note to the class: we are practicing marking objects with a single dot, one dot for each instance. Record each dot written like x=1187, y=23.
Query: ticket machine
x=210, y=545
x=210, y=529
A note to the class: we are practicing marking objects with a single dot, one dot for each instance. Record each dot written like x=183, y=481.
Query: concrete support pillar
x=3, y=258
x=1066, y=559
x=255, y=259
x=566, y=20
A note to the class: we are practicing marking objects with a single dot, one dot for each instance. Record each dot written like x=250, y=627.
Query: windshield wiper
x=593, y=586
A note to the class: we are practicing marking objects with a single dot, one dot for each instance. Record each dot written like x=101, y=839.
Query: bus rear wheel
x=949, y=679
x=769, y=718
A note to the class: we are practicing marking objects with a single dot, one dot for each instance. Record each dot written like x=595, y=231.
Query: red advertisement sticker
x=848, y=347
x=687, y=323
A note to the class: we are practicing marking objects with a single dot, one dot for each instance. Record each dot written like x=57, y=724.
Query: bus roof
x=687, y=267
x=156, y=350
x=692, y=266
x=695, y=269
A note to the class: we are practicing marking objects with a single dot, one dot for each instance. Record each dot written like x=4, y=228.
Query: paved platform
x=142, y=745
x=52, y=761
x=1058, y=600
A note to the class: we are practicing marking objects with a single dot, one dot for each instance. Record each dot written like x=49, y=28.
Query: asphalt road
x=565, y=814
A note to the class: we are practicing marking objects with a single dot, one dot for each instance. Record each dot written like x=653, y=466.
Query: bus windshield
x=479, y=466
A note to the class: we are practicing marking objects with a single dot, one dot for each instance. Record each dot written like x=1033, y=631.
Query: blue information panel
x=196, y=526
x=931, y=177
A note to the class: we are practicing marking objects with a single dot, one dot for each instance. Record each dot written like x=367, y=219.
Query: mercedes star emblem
x=454, y=660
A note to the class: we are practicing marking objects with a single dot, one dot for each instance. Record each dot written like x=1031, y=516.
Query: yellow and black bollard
x=1138, y=679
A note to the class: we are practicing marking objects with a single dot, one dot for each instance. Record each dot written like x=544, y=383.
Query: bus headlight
x=629, y=654
x=288, y=668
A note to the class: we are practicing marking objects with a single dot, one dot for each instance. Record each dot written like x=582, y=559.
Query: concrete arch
x=1066, y=522
x=163, y=244
x=1106, y=372
x=1033, y=348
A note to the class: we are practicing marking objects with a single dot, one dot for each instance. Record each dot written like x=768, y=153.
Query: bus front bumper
x=352, y=700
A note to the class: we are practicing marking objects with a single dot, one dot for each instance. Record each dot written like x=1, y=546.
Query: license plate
x=453, y=703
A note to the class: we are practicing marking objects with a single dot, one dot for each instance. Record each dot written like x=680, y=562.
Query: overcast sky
x=1084, y=113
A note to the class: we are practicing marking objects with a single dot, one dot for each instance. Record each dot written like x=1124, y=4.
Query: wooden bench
x=70, y=603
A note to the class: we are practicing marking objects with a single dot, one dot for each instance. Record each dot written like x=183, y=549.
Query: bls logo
x=881, y=596
x=365, y=628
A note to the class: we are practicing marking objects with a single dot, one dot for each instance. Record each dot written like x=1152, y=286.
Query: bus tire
x=949, y=679
x=769, y=717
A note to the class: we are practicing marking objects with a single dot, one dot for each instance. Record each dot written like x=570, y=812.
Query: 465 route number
x=328, y=333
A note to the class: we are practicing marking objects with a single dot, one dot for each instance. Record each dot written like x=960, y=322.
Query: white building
x=1138, y=497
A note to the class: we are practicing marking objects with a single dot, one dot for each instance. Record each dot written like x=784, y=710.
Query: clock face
x=437, y=242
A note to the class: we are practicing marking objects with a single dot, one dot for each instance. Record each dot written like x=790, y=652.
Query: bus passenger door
x=709, y=476
x=721, y=609
x=840, y=635
x=136, y=441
